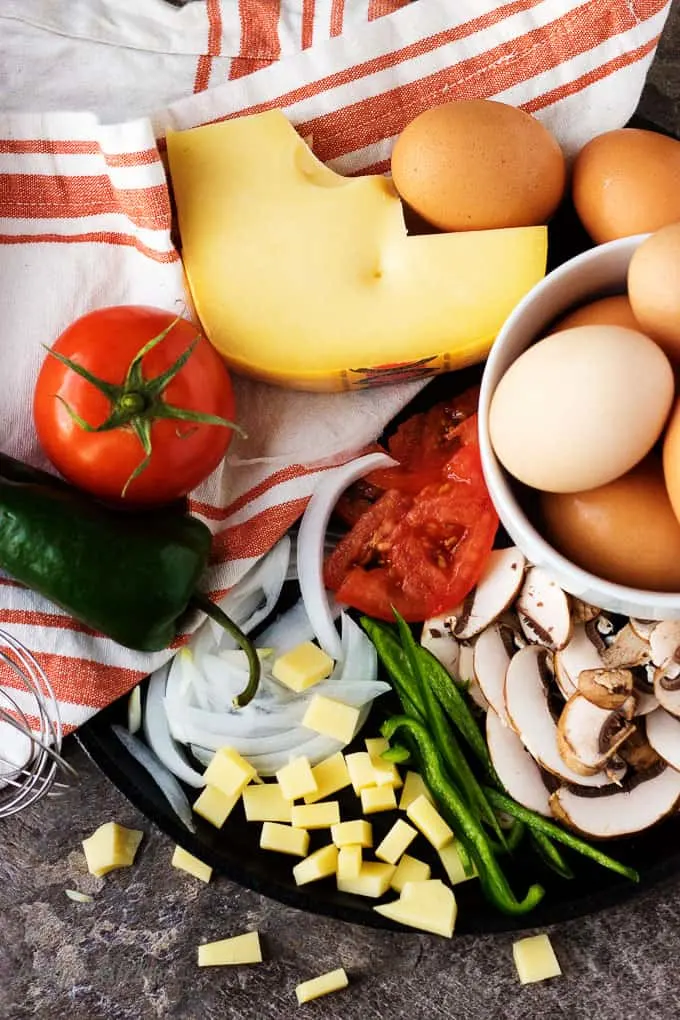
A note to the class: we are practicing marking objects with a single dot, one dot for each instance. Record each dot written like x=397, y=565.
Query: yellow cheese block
x=358, y=832
x=361, y=771
x=239, y=949
x=396, y=842
x=302, y=667
x=333, y=718
x=308, y=279
x=185, y=861
x=535, y=959
x=229, y=772
x=296, y=779
x=414, y=786
x=350, y=860
x=409, y=869
x=265, y=803
x=430, y=906
x=320, y=864
x=284, y=839
x=426, y=818
x=453, y=864
x=215, y=806
x=373, y=880
x=386, y=772
x=333, y=981
x=378, y=798
x=111, y=846
x=315, y=816
x=331, y=775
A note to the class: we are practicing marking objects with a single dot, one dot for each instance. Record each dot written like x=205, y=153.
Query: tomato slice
x=356, y=500
x=366, y=545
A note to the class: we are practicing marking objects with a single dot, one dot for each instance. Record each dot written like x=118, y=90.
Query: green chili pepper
x=456, y=812
x=130, y=576
x=398, y=754
x=550, y=855
x=537, y=823
x=395, y=662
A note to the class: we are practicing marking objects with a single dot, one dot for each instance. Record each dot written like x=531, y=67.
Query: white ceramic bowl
x=595, y=273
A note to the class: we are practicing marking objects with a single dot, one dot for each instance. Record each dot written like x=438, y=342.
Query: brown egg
x=477, y=165
x=608, y=311
x=654, y=288
x=627, y=182
x=671, y=458
x=624, y=532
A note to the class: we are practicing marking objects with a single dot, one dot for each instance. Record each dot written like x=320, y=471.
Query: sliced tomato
x=367, y=544
x=356, y=500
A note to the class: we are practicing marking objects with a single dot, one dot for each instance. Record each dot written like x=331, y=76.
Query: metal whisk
x=30, y=732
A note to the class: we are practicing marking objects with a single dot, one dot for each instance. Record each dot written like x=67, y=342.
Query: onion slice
x=162, y=776
x=157, y=732
x=311, y=540
x=254, y=597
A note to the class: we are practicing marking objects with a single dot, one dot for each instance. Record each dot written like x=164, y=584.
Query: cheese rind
x=185, y=861
x=296, y=779
x=238, y=950
x=265, y=803
x=320, y=864
x=215, y=806
x=396, y=842
x=333, y=981
x=302, y=667
x=331, y=776
x=315, y=816
x=429, y=906
x=284, y=839
x=229, y=772
x=111, y=846
x=427, y=819
x=332, y=718
x=409, y=869
x=535, y=959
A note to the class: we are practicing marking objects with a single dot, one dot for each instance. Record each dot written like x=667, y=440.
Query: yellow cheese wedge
x=111, y=846
x=357, y=832
x=229, y=772
x=333, y=981
x=265, y=803
x=215, y=806
x=535, y=959
x=331, y=775
x=397, y=840
x=302, y=667
x=414, y=786
x=237, y=950
x=409, y=869
x=296, y=779
x=373, y=880
x=426, y=818
x=333, y=718
x=185, y=861
x=430, y=906
x=320, y=864
x=350, y=860
x=284, y=839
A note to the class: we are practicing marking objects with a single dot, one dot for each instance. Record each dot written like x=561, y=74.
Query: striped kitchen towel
x=88, y=89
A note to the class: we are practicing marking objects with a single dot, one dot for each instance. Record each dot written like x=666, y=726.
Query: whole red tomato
x=134, y=404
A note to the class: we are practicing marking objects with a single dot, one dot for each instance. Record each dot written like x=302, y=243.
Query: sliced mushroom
x=637, y=751
x=643, y=682
x=437, y=637
x=626, y=650
x=493, y=650
x=664, y=643
x=611, y=812
x=495, y=591
x=578, y=655
x=643, y=628
x=606, y=688
x=663, y=734
x=527, y=683
x=667, y=693
x=588, y=736
x=543, y=610
x=466, y=672
x=517, y=770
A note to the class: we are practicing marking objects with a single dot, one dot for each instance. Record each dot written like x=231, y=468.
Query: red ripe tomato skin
x=183, y=453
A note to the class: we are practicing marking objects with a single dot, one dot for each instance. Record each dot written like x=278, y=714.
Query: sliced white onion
x=157, y=732
x=255, y=596
x=310, y=544
x=162, y=776
x=134, y=710
x=291, y=628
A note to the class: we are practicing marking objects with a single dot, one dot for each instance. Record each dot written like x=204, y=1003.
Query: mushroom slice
x=516, y=769
x=667, y=693
x=626, y=650
x=437, y=637
x=637, y=751
x=663, y=734
x=605, y=814
x=495, y=591
x=527, y=684
x=606, y=688
x=643, y=628
x=466, y=673
x=493, y=650
x=643, y=685
x=588, y=736
x=664, y=643
x=543, y=610
x=578, y=655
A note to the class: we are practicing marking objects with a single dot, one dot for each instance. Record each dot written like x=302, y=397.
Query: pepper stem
x=203, y=603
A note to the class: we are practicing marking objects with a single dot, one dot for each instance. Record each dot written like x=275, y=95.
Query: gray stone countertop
x=131, y=953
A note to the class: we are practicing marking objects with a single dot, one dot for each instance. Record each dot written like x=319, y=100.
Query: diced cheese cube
x=378, y=798
x=320, y=864
x=397, y=840
x=215, y=806
x=296, y=779
x=357, y=832
x=535, y=959
x=409, y=869
x=302, y=667
x=430, y=906
x=237, y=950
x=349, y=861
x=427, y=819
x=333, y=981
x=229, y=772
x=373, y=880
x=315, y=816
x=453, y=863
x=265, y=803
x=111, y=846
x=414, y=786
x=187, y=862
x=285, y=839
x=333, y=718
x=376, y=745
x=386, y=772
x=331, y=775
x=361, y=772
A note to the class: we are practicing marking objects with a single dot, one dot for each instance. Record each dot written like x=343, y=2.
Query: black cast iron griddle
x=234, y=850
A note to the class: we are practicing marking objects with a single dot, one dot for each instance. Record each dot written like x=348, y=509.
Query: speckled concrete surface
x=131, y=953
